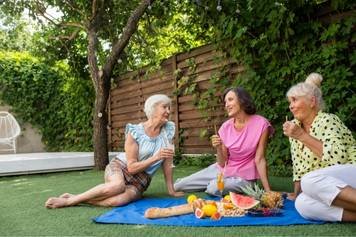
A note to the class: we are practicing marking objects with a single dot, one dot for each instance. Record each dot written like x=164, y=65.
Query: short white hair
x=308, y=89
x=152, y=101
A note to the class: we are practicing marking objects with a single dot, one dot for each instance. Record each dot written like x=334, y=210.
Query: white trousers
x=320, y=188
x=205, y=179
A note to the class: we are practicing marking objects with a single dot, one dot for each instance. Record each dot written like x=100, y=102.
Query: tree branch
x=71, y=5
x=92, y=28
x=67, y=37
x=122, y=42
x=42, y=12
x=75, y=24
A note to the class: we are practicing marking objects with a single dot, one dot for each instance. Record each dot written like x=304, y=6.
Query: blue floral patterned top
x=148, y=146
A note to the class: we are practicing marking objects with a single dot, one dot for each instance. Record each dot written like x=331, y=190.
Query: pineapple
x=268, y=199
x=272, y=199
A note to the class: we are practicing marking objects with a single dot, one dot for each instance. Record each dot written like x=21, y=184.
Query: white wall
x=30, y=139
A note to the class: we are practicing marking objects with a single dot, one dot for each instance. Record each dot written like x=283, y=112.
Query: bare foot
x=66, y=195
x=55, y=202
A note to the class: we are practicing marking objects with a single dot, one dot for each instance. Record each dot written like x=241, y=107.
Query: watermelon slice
x=243, y=202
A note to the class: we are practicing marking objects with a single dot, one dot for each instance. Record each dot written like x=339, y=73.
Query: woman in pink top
x=240, y=146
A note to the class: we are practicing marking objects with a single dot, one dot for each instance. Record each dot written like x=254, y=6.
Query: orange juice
x=220, y=182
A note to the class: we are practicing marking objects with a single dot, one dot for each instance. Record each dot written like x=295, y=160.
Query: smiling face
x=161, y=112
x=232, y=104
x=302, y=108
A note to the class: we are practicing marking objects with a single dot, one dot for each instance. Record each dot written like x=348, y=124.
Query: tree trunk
x=101, y=78
x=100, y=135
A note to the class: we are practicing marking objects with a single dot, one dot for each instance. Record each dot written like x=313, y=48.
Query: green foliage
x=49, y=98
x=203, y=160
x=167, y=28
x=14, y=33
x=279, y=44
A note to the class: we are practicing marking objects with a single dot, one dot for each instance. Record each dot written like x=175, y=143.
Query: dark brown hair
x=244, y=98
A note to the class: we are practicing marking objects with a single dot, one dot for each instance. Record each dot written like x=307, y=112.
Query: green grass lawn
x=22, y=211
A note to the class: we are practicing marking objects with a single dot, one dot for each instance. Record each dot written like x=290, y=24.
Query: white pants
x=320, y=188
x=205, y=179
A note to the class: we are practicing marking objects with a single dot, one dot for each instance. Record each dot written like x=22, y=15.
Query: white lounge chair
x=9, y=131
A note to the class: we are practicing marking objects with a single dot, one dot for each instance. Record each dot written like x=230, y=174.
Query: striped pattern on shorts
x=141, y=180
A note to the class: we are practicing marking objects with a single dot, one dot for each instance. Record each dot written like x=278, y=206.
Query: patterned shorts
x=141, y=180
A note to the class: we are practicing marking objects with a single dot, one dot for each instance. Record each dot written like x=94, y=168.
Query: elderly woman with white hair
x=127, y=177
x=324, y=156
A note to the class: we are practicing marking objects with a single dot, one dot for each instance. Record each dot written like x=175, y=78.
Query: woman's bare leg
x=114, y=185
x=347, y=200
x=131, y=194
x=349, y=216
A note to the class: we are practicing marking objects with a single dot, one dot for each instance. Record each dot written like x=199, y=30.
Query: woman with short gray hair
x=128, y=176
x=323, y=154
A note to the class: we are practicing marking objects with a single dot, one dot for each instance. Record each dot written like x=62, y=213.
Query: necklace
x=239, y=124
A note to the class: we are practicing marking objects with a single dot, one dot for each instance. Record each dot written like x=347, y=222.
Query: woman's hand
x=291, y=196
x=216, y=141
x=176, y=194
x=292, y=130
x=164, y=154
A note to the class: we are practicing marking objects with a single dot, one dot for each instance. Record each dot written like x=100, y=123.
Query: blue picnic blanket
x=133, y=213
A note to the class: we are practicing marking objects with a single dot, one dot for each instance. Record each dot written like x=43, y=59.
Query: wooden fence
x=133, y=88
x=128, y=97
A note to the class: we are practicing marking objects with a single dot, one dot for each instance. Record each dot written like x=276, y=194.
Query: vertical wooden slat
x=141, y=102
x=108, y=113
x=176, y=117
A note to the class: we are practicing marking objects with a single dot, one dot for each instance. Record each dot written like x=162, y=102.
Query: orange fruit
x=191, y=198
x=209, y=209
x=211, y=202
x=228, y=206
x=227, y=198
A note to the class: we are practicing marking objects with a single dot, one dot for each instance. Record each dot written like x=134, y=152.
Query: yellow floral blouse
x=338, y=146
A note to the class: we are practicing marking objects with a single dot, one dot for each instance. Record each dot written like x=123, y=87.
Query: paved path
x=30, y=163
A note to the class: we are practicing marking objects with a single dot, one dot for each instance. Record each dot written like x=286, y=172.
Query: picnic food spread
x=257, y=202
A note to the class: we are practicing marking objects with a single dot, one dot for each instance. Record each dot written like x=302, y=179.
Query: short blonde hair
x=152, y=101
x=308, y=89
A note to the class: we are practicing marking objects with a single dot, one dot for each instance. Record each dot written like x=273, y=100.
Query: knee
x=130, y=195
x=309, y=183
x=301, y=205
x=309, y=208
x=112, y=188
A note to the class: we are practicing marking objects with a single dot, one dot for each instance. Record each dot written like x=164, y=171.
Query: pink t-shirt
x=242, y=146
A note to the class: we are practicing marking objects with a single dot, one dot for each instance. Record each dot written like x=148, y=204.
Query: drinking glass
x=170, y=145
x=220, y=183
